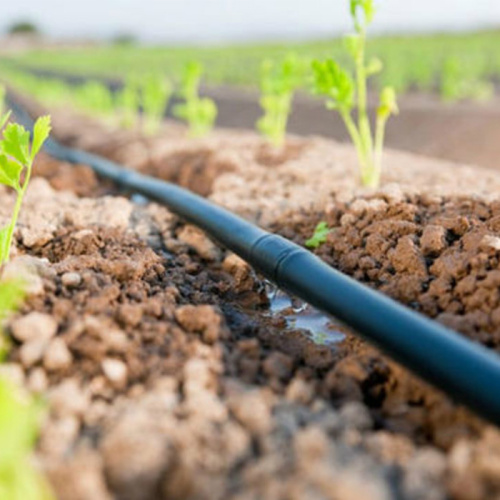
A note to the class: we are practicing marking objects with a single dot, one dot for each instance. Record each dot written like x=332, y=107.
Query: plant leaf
x=319, y=236
x=41, y=131
x=16, y=142
x=10, y=171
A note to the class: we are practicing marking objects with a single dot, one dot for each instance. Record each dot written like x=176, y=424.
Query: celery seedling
x=128, y=102
x=199, y=112
x=278, y=84
x=319, y=236
x=156, y=92
x=343, y=92
x=16, y=162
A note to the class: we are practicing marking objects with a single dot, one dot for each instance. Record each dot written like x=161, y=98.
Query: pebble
x=37, y=381
x=116, y=372
x=34, y=326
x=71, y=280
x=57, y=356
x=32, y=352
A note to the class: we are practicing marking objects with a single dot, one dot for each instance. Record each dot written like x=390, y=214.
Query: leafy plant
x=319, y=236
x=344, y=92
x=156, y=92
x=96, y=98
x=278, y=84
x=16, y=162
x=128, y=102
x=199, y=112
x=457, y=83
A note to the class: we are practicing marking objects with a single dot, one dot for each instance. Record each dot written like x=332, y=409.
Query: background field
x=411, y=62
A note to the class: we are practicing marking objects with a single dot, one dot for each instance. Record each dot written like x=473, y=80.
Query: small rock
x=433, y=240
x=201, y=319
x=197, y=240
x=34, y=325
x=68, y=398
x=252, y=411
x=37, y=381
x=490, y=243
x=355, y=415
x=116, y=372
x=300, y=391
x=32, y=352
x=71, y=280
x=57, y=356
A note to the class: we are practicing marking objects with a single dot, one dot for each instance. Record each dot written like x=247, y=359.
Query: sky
x=216, y=21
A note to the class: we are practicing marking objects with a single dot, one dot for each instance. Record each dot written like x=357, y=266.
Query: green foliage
x=156, y=92
x=343, y=92
x=95, y=97
x=16, y=161
x=23, y=28
x=319, y=236
x=199, y=112
x=128, y=102
x=278, y=84
x=458, y=82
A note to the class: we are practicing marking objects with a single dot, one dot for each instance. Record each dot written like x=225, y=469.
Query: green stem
x=379, y=145
x=363, y=121
x=357, y=141
x=15, y=214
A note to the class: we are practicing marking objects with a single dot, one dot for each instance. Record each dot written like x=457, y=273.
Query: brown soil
x=168, y=377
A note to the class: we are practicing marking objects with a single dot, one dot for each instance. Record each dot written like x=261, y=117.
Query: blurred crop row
x=455, y=65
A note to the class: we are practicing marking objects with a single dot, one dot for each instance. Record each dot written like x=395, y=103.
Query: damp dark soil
x=169, y=376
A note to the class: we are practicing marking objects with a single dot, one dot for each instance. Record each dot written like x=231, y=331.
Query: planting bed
x=171, y=373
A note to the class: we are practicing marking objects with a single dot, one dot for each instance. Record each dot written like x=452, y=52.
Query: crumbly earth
x=167, y=376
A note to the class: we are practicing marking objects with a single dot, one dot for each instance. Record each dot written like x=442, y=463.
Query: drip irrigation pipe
x=466, y=371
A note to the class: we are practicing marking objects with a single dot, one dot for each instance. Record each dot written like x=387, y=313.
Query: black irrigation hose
x=468, y=372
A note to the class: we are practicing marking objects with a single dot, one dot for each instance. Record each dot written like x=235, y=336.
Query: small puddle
x=298, y=315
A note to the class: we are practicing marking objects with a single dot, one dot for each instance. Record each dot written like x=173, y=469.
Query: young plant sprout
x=278, y=84
x=128, y=102
x=319, y=236
x=16, y=162
x=156, y=92
x=95, y=97
x=344, y=92
x=199, y=112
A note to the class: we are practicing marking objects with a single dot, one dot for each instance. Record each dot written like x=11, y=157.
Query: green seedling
x=128, y=102
x=319, y=236
x=16, y=162
x=156, y=92
x=95, y=97
x=278, y=85
x=344, y=92
x=458, y=84
x=199, y=112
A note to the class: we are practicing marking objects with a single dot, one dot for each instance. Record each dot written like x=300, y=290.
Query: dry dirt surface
x=168, y=376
